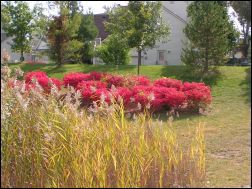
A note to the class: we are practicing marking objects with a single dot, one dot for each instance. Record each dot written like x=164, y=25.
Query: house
x=168, y=50
x=165, y=52
x=38, y=44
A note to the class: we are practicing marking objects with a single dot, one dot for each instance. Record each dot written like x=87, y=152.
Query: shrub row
x=137, y=92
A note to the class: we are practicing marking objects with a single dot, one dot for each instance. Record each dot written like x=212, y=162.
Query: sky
x=97, y=7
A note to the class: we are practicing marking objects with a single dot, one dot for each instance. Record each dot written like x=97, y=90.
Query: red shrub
x=96, y=76
x=90, y=95
x=46, y=83
x=57, y=82
x=125, y=94
x=165, y=94
x=37, y=74
x=141, y=80
x=198, y=94
x=11, y=84
x=117, y=81
x=73, y=79
x=35, y=62
x=142, y=94
x=168, y=82
x=167, y=98
x=88, y=84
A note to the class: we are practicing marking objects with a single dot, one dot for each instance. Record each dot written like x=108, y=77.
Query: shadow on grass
x=184, y=74
x=110, y=68
x=85, y=68
x=163, y=116
x=246, y=86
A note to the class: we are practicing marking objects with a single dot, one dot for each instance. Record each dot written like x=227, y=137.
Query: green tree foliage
x=243, y=10
x=41, y=20
x=114, y=50
x=62, y=34
x=87, y=33
x=17, y=21
x=210, y=33
x=139, y=23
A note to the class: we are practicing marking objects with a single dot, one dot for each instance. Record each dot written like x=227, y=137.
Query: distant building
x=38, y=44
x=168, y=50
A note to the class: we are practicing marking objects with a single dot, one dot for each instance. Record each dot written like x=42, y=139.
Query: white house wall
x=171, y=46
x=5, y=46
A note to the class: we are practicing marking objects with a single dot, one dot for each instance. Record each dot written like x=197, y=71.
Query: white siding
x=172, y=46
x=14, y=57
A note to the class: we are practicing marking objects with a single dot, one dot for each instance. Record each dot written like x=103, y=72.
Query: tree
x=210, y=33
x=87, y=33
x=17, y=22
x=114, y=50
x=62, y=34
x=243, y=10
x=140, y=23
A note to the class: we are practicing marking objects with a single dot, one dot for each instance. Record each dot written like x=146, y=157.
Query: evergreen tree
x=62, y=34
x=86, y=34
x=210, y=33
x=243, y=10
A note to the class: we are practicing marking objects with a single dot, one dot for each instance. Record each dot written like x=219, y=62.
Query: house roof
x=99, y=20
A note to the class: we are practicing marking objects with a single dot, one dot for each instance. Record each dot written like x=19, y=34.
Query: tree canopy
x=140, y=23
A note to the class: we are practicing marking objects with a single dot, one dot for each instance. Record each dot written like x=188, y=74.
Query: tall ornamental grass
x=47, y=142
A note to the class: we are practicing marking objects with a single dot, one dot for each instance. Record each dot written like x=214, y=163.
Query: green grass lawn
x=227, y=125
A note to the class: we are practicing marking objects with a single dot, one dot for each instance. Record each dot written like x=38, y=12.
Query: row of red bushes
x=136, y=91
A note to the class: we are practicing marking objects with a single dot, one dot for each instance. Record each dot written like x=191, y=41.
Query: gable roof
x=99, y=20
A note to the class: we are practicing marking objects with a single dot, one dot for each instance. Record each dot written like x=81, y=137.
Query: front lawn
x=227, y=125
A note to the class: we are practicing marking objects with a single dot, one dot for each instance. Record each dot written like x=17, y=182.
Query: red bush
x=198, y=94
x=88, y=84
x=37, y=74
x=142, y=95
x=167, y=98
x=35, y=62
x=164, y=94
x=168, y=82
x=125, y=94
x=96, y=76
x=117, y=81
x=72, y=79
x=141, y=80
x=90, y=95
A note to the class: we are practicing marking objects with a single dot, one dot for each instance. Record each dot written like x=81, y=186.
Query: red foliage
x=35, y=62
x=117, y=81
x=141, y=80
x=125, y=94
x=167, y=98
x=72, y=79
x=168, y=82
x=88, y=84
x=89, y=95
x=142, y=94
x=165, y=94
x=36, y=74
x=96, y=76
x=198, y=94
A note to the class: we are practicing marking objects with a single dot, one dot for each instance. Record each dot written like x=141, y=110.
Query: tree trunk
x=246, y=41
x=60, y=55
x=206, y=58
x=22, y=56
x=139, y=61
